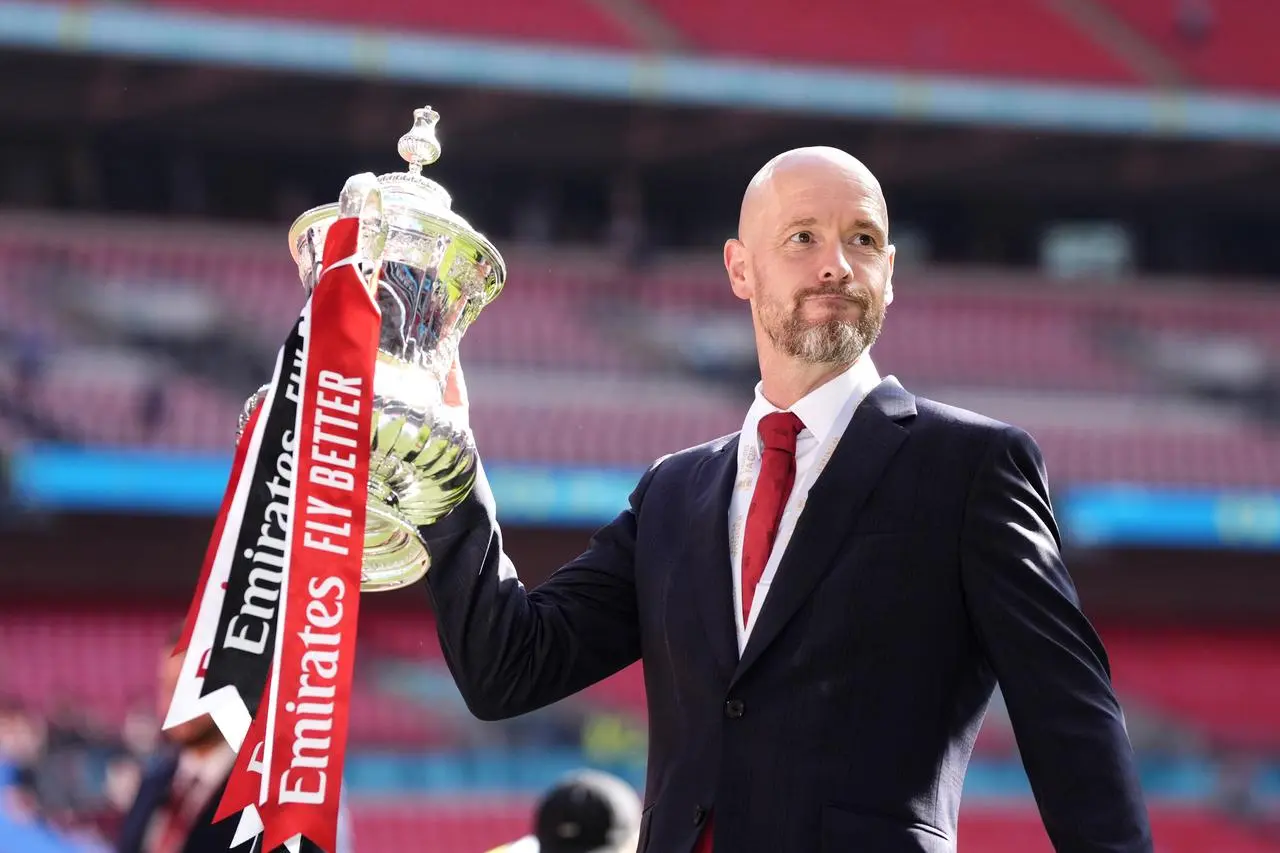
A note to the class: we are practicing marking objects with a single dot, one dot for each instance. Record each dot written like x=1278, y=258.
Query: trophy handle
x=361, y=197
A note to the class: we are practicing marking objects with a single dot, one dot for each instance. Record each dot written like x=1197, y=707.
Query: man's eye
x=802, y=237
x=864, y=240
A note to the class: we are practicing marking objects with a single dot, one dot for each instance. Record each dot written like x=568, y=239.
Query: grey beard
x=832, y=342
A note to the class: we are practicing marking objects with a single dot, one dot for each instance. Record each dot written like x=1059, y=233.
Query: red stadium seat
x=561, y=323
x=1018, y=829
x=997, y=38
x=1236, y=51
x=1224, y=684
x=461, y=825
x=555, y=21
x=104, y=662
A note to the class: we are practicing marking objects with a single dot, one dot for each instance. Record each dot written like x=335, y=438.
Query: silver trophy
x=436, y=273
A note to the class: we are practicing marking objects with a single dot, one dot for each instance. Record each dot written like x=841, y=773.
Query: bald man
x=825, y=601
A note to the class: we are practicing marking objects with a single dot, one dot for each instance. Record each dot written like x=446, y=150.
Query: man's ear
x=736, y=264
x=888, y=281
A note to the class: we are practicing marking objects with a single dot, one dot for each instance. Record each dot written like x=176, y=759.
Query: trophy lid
x=413, y=205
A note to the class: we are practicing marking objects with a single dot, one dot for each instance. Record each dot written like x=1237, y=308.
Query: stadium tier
x=1224, y=686
x=461, y=825
x=1214, y=45
x=102, y=666
x=561, y=21
x=615, y=432
x=477, y=826
x=1234, y=51
x=579, y=362
x=1176, y=830
x=1005, y=38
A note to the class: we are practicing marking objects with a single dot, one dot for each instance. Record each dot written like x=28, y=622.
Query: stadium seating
x=1226, y=685
x=991, y=38
x=104, y=664
x=1012, y=829
x=462, y=825
x=569, y=21
x=1005, y=38
x=1013, y=330
x=615, y=431
x=574, y=362
x=1236, y=51
x=471, y=826
x=983, y=327
x=1222, y=684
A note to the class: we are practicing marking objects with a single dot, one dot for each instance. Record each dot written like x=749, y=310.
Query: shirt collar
x=819, y=409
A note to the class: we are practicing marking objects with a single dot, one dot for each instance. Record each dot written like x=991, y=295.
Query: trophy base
x=394, y=554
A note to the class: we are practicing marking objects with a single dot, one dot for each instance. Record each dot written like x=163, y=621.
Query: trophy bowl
x=434, y=275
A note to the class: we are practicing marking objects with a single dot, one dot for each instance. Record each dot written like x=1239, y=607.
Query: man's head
x=588, y=812
x=812, y=256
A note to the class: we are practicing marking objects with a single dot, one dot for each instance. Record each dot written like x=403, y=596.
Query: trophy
x=434, y=275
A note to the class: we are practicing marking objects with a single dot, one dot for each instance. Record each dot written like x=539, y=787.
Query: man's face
x=818, y=268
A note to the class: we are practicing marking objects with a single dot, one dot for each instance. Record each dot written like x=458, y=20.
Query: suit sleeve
x=1049, y=661
x=512, y=650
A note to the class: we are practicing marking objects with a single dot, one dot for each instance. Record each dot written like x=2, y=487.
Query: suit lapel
x=709, y=533
x=861, y=456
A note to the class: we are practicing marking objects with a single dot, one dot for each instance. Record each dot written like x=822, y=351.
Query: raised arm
x=1049, y=661
x=510, y=650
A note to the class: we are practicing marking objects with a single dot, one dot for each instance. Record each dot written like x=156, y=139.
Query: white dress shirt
x=825, y=412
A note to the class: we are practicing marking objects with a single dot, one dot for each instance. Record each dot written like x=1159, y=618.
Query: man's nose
x=836, y=266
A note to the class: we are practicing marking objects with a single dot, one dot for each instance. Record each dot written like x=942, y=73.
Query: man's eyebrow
x=872, y=226
x=863, y=224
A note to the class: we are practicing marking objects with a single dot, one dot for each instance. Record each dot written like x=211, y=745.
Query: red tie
x=778, y=433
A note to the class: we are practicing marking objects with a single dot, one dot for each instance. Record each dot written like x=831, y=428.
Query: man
x=824, y=602
x=180, y=790
x=586, y=812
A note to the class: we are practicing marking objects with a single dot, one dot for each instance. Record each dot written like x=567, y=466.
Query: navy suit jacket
x=153, y=792
x=924, y=568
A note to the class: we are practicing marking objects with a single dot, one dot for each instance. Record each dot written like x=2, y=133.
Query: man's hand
x=455, y=393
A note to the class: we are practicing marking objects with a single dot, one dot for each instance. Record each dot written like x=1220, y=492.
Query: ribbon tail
x=250, y=826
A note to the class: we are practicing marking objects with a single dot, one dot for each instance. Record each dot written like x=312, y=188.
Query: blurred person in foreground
x=182, y=784
x=586, y=812
x=823, y=602
x=25, y=783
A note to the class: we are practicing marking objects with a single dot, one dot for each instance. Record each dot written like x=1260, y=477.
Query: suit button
x=699, y=815
x=734, y=709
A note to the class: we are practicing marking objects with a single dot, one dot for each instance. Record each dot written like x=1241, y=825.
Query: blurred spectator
x=153, y=409
x=1237, y=793
x=28, y=366
x=21, y=736
x=628, y=236
x=179, y=789
x=26, y=777
x=587, y=812
x=181, y=785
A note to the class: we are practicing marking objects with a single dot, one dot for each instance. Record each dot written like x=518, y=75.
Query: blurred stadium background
x=1084, y=197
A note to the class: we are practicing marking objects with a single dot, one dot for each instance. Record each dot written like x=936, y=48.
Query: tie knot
x=778, y=431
